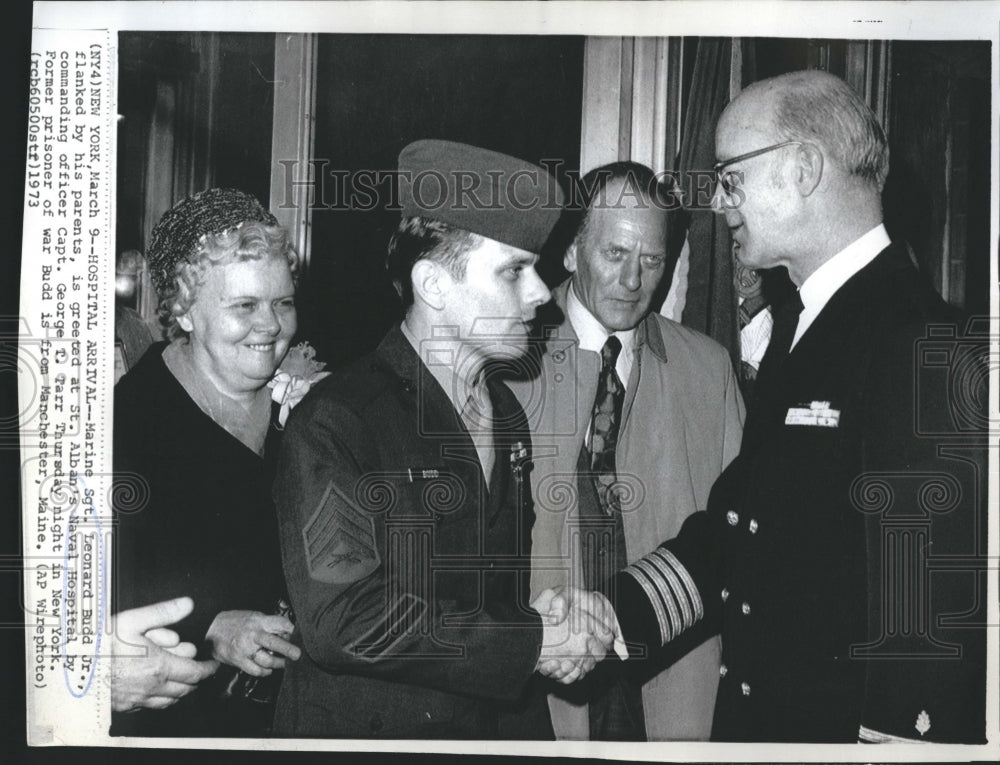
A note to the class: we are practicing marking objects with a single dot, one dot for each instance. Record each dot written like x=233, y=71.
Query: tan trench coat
x=682, y=423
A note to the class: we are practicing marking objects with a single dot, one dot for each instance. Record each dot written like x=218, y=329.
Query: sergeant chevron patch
x=339, y=540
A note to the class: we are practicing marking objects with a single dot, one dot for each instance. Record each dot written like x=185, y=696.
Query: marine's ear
x=431, y=283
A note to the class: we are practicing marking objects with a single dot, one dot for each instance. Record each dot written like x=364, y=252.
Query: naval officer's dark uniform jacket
x=842, y=552
x=407, y=576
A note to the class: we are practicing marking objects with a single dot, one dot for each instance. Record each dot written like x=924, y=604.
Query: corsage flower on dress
x=298, y=372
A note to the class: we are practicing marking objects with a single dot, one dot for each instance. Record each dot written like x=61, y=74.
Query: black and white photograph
x=589, y=379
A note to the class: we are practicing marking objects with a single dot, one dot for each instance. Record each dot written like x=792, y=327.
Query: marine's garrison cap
x=491, y=194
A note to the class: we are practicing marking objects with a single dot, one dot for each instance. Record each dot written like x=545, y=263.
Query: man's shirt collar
x=824, y=282
x=589, y=331
x=591, y=334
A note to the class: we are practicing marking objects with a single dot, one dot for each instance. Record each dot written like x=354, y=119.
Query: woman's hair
x=250, y=241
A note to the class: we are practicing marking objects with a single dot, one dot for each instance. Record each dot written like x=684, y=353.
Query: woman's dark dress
x=202, y=524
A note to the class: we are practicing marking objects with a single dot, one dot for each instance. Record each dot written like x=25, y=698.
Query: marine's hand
x=252, y=641
x=578, y=630
x=151, y=667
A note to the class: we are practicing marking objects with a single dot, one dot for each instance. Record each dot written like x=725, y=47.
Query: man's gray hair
x=819, y=107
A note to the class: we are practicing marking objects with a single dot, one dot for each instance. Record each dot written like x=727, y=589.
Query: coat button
x=753, y=525
x=725, y=594
x=745, y=687
x=733, y=517
x=375, y=723
x=745, y=608
x=723, y=669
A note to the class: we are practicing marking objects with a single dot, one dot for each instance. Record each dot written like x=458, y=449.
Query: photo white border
x=820, y=19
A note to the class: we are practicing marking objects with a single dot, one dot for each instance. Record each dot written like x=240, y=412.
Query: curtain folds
x=710, y=303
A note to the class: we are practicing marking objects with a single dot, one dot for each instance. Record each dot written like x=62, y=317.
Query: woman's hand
x=251, y=641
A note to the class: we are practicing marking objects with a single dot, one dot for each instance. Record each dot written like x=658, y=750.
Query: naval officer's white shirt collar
x=592, y=335
x=824, y=282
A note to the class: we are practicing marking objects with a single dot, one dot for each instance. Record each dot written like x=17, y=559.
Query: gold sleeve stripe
x=869, y=736
x=676, y=588
x=654, y=600
x=689, y=585
x=666, y=595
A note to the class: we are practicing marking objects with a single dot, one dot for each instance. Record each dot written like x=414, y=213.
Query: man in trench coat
x=680, y=425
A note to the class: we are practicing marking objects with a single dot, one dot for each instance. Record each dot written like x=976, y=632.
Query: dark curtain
x=937, y=193
x=195, y=111
x=710, y=304
x=519, y=95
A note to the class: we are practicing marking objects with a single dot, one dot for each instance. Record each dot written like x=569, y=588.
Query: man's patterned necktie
x=605, y=422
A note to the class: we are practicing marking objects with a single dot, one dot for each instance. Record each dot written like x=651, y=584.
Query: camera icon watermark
x=953, y=365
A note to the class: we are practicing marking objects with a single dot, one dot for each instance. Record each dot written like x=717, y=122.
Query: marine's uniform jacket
x=408, y=578
x=681, y=425
x=839, y=550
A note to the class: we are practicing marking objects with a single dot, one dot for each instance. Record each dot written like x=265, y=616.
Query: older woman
x=194, y=438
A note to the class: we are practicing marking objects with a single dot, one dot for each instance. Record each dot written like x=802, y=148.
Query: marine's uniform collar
x=438, y=358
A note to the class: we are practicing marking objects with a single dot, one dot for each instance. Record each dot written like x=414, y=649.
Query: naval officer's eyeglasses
x=731, y=179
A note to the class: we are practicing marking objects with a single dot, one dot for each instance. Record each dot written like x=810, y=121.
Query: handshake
x=579, y=628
